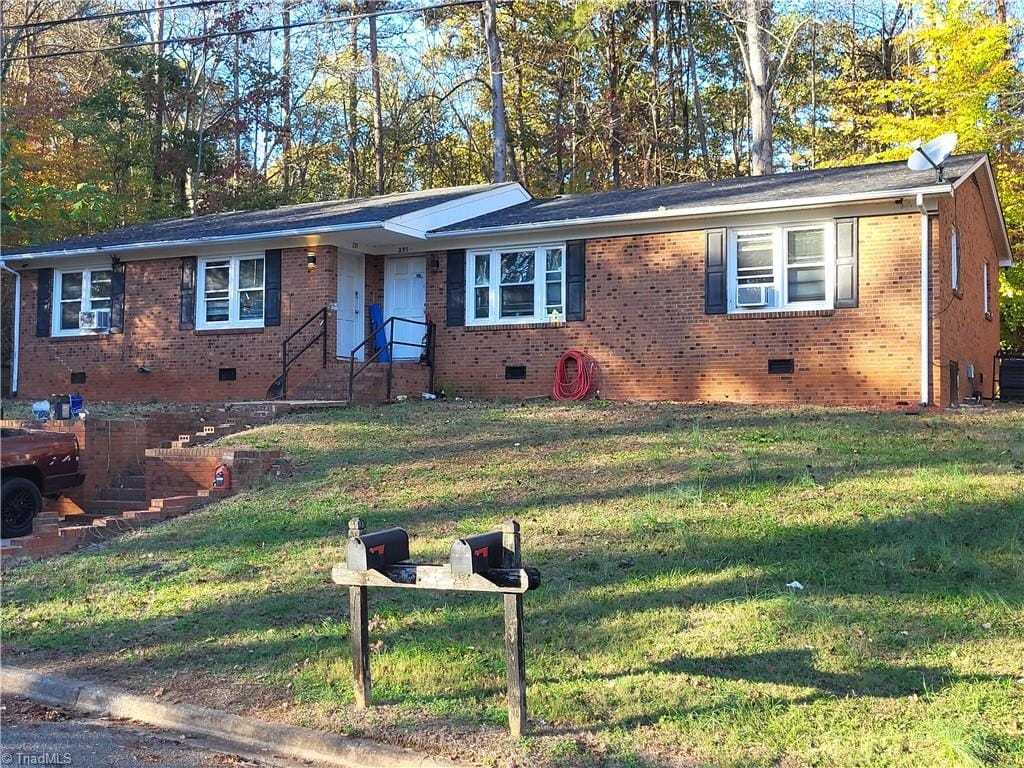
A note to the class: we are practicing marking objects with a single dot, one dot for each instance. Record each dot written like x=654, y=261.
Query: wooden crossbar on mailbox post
x=380, y=559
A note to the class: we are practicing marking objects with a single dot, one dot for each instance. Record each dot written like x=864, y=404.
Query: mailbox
x=373, y=551
x=477, y=554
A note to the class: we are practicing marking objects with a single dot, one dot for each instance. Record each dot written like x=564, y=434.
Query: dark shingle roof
x=865, y=179
x=879, y=177
x=304, y=216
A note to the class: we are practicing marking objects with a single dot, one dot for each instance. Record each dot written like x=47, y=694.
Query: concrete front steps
x=409, y=378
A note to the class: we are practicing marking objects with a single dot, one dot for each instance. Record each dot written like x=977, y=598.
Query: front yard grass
x=664, y=632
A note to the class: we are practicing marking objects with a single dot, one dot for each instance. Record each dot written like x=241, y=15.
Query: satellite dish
x=933, y=154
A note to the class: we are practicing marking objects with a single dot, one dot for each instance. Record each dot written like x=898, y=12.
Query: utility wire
x=246, y=31
x=112, y=15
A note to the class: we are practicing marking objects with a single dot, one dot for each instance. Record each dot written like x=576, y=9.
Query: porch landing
x=289, y=404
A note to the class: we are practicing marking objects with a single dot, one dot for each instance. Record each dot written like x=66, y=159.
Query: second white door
x=350, y=303
x=405, y=296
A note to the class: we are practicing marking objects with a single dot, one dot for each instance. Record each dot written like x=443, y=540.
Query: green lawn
x=664, y=633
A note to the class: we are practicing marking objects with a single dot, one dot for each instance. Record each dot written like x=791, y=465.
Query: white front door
x=405, y=295
x=351, y=325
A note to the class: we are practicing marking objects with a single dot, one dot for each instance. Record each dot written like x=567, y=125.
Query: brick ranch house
x=869, y=284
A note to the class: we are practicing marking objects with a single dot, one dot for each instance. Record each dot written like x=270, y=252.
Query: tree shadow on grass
x=795, y=667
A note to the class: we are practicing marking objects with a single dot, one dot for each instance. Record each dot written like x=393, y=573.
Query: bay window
x=231, y=292
x=76, y=291
x=516, y=285
x=782, y=268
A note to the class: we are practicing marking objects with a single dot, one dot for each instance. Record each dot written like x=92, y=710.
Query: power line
x=112, y=15
x=247, y=31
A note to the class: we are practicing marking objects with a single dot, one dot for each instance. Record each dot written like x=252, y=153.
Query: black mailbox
x=477, y=554
x=373, y=551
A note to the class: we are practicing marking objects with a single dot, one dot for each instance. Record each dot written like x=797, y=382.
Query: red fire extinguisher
x=222, y=478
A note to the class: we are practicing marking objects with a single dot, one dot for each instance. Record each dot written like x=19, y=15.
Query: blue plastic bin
x=380, y=336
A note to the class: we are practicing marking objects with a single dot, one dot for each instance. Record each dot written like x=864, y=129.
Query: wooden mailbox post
x=490, y=562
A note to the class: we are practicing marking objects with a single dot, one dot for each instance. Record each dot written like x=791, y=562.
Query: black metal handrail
x=388, y=326
x=321, y=335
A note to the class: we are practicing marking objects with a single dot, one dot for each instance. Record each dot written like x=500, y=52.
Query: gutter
x=925, y=310
x=17, y=327
x=112, y=249
x=707, y=210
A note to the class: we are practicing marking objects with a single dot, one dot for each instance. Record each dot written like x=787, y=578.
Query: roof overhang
x=702, y=212
x=142, y=250
x=378, y=236
x=697, y=217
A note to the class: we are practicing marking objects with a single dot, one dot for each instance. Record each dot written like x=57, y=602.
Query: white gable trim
x=993, y=208
x=419, y=223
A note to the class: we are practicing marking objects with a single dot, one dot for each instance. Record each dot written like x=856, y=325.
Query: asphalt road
x=36, y=735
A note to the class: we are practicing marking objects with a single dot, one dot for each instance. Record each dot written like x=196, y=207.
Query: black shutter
x=272, y=287
x=117, y=298
x=715, y=275
x=576, y=280
x=456, y=288
x=846, y=263
x=44, y=301
x=187, y=320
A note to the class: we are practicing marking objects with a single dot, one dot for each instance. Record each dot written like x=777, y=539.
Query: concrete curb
x=280, y=740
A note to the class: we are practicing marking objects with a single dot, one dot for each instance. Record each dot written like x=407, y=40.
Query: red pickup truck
x=33, y=464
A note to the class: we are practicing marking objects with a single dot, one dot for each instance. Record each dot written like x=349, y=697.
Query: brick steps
x=112, y=506
x=331, y=383
x=207, y=434
x=125, y=494
x=124, y=505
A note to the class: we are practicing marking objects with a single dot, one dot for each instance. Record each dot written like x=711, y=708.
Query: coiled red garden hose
x=582, y=384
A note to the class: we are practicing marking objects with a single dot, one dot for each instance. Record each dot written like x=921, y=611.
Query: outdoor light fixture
x=310, y=261
x=435, y=263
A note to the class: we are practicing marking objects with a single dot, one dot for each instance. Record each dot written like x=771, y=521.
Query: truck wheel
x=20, y=501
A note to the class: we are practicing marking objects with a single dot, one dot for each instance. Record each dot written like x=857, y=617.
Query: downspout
x=17, y=328
x=925, y=310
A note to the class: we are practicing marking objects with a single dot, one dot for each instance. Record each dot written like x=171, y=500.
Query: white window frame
x=780, y=271
x=233, y=321
x=954, y=260
x=540, y=311
x=86, y=301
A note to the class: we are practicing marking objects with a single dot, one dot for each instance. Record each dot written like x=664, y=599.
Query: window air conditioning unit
x=753, y=295
x=94, y=320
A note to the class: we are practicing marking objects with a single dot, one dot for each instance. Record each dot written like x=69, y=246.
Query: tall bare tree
x=752, y=26
x=499, y=121
x=286, y=98
x=378, y=118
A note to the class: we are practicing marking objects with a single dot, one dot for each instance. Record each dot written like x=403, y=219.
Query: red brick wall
x=108, y=448
x=645, y=325
x=184, y=471
x=647, y=328
x=184, y=364
x=960, y=331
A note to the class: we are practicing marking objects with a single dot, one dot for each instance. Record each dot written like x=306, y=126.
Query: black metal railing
x=388, y=327
x=320, y=335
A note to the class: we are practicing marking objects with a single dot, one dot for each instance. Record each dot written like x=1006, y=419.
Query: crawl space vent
x=781, y=366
